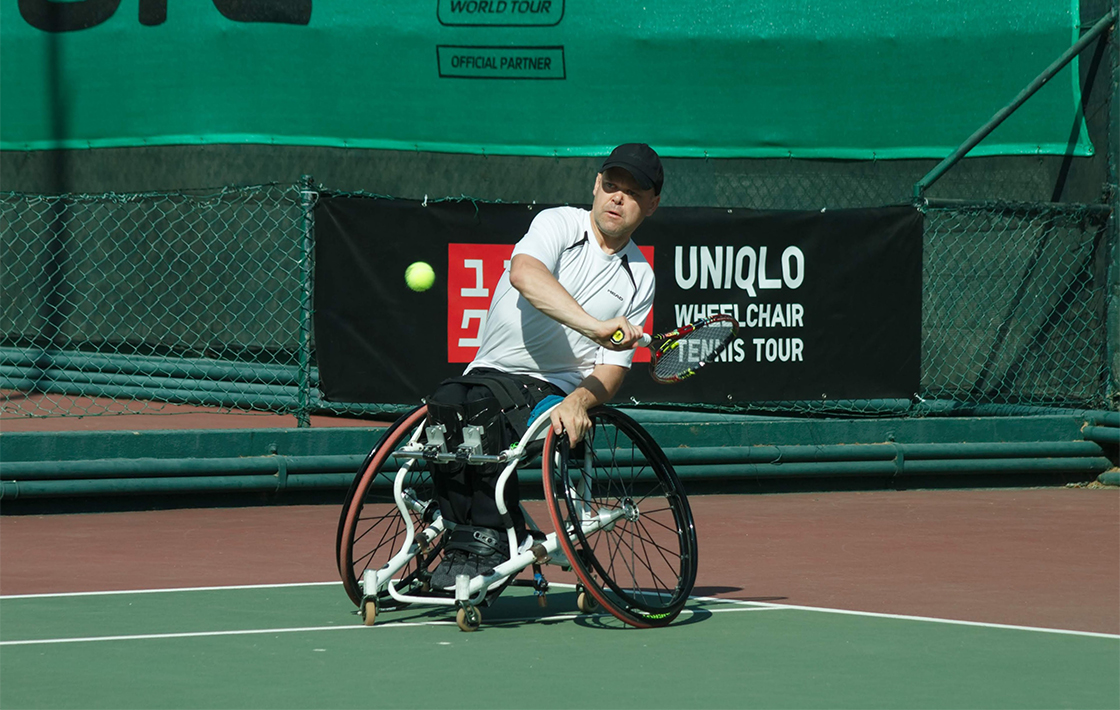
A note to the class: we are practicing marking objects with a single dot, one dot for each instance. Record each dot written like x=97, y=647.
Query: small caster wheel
x=468, y=618
x=369, y=611
x=586, y=603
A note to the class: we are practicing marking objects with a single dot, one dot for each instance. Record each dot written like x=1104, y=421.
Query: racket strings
x=693, y=350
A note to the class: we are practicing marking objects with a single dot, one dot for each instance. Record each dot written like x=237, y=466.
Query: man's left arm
x=597, y=388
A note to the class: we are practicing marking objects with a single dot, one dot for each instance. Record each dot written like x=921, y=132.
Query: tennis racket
x=679, y=354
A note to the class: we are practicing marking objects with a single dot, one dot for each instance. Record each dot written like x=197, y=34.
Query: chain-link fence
x=114, y=302
x=111, y=302
x=1014, y=305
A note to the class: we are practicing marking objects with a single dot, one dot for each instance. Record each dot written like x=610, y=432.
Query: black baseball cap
x=639, y=160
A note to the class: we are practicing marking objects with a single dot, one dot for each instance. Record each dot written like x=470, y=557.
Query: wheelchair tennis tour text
x=751, y=271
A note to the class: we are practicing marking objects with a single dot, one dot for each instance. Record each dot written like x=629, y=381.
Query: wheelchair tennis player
x=575, y=280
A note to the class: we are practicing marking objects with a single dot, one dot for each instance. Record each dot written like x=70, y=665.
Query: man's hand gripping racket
x=678, y=354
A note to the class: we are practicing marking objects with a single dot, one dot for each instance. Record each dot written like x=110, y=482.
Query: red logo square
x=473, y=272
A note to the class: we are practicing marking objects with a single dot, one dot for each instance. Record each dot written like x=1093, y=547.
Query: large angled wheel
x=371, y=529
x=640, y=564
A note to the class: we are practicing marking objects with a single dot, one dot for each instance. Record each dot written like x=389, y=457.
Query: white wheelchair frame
x=470, y=592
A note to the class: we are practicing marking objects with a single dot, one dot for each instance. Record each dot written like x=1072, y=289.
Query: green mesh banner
x=841, y=79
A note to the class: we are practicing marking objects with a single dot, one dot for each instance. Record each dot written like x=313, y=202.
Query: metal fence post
x=307, y=205
x=981, y=133
x=1112, y=309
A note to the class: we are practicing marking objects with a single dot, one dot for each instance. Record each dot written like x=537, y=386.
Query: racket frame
x=665, y=343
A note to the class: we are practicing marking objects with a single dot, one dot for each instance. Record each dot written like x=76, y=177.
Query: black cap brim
x=644, y=181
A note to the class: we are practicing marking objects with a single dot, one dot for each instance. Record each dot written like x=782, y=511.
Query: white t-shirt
x=519, y=339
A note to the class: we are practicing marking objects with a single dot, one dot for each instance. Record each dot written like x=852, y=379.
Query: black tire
x=642, y=569
x=370, y=527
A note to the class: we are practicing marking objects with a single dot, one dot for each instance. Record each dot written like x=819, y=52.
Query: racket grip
x=643, y=341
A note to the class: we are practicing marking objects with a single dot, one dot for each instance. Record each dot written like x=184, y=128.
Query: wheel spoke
x=388, y=536
x=642, y=560
x=372, y=527
x=647, y=539
x=646, y=544
x=640, y=565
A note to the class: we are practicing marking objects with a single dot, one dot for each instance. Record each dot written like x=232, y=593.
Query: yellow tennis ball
x=419, y=276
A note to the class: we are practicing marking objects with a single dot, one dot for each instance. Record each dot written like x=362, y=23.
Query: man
x=575, y=279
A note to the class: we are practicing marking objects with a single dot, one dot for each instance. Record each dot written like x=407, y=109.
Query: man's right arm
x=535, y=282
x=597, y=388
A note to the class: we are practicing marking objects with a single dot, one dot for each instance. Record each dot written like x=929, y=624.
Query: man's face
x=620, y=204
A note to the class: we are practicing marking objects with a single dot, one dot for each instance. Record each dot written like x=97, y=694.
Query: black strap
x=506, y=392
x=477, y=540
x=511, y=391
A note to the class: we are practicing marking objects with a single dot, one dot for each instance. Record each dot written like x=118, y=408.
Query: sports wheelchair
x=620, y=519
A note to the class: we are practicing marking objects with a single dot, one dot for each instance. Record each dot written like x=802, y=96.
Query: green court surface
x=303, y=647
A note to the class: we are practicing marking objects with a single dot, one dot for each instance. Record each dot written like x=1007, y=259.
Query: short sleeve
x=549, y=235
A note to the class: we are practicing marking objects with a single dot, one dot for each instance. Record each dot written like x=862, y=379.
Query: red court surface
x=1031, y=557
x=20, y=412
x=1047, y=557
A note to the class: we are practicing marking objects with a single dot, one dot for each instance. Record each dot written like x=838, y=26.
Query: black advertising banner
x=828, y=303
x=376, y=340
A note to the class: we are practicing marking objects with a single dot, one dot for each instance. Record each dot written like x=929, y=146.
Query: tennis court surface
x=914, y=599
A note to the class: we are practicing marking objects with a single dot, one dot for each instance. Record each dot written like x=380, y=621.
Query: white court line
x=908, y=617
x=741, y=605
x=200, y=634
x=386, y=625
